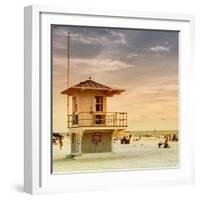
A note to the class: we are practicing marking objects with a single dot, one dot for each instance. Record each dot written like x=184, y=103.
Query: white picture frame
x=37, y=173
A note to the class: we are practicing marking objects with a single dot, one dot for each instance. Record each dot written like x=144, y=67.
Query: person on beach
x=160, y=144
x=58, y=139
x=61, y=142
x=166, y=145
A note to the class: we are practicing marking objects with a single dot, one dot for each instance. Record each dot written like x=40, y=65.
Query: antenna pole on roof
x=68, y=62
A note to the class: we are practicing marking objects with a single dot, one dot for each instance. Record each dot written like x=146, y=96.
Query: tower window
x=74, y=104
x=99, y=103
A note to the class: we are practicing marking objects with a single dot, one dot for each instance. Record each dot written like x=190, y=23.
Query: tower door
x=73, y=143
x=96, y=142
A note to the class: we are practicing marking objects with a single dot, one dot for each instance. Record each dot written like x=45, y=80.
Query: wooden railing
x=97, y=119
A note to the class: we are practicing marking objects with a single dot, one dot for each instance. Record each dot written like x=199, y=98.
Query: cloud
x=92, y=65
x=159, y=48
x=88, y=39
x=88, y=36
x=87, y=42
x=132, y=55
x=99, y=65
x=112, y=37
x=127, y=45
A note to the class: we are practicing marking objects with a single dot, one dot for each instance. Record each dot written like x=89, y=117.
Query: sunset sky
x=144, y=62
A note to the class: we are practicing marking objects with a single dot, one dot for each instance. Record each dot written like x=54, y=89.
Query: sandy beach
x=136, y=155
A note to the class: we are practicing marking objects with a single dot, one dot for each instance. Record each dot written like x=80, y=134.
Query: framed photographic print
x=106, y=95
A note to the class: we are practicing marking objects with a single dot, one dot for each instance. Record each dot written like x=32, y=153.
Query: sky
x=143, y=62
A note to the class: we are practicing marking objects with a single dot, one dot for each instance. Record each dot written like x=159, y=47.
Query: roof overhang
x=108, y=92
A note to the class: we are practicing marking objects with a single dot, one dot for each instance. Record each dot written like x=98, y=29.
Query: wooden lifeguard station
x=90, y=125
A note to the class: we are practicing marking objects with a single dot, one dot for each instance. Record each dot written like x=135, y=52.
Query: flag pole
x=68, y=63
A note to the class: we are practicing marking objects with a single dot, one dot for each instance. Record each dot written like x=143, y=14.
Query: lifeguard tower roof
x=90, y=85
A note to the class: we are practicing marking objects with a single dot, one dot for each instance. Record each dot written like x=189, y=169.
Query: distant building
x=90, y=125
